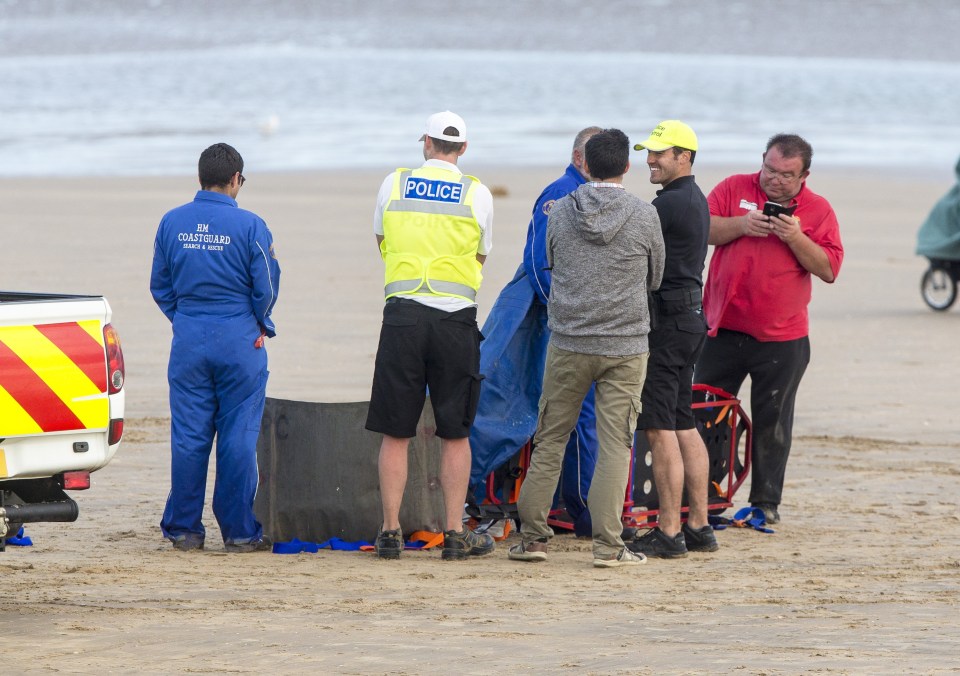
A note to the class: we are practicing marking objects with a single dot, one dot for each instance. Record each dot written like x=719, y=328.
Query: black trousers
x=775, y=370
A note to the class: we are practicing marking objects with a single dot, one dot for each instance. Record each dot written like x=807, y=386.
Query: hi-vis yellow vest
x=430, y=235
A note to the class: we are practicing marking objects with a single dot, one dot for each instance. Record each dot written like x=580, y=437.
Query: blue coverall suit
x=512, y=359
x=215, y=276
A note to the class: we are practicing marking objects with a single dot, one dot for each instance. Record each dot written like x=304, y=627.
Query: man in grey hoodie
x=606, y=251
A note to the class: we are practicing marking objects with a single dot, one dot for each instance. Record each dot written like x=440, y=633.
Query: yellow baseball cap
x=669, y=134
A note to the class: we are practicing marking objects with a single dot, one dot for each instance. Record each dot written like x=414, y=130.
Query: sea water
x=140, y=87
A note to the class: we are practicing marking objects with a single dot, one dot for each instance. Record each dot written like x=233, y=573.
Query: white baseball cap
x=438, y=122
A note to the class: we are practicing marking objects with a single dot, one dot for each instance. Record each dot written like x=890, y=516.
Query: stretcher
x=726, y=431
x=728, y=436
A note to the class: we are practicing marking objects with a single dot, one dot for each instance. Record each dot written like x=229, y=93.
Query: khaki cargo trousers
x=566, y=381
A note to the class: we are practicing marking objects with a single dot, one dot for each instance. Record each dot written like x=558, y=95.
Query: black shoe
x=188, y=543
x=458, y=546
x=769, y=510
x=657, y=543
x=264, y=544
x=389, y=544
x=700, y=540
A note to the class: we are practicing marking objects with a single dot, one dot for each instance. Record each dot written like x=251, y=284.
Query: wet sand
x=863, y=575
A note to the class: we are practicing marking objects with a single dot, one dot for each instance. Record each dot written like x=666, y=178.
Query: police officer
x=434, y=227
x=215, y=276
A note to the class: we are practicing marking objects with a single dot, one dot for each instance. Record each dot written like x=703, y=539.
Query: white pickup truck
x=61, y=403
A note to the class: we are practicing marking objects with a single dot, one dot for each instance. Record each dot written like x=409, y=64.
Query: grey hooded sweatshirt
x=606, y=251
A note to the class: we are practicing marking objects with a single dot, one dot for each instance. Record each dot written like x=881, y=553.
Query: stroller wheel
x=938, y=288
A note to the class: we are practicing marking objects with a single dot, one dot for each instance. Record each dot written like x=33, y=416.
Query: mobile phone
x=775, y=209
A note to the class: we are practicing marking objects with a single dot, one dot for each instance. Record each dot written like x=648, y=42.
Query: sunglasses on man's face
x=242, y=179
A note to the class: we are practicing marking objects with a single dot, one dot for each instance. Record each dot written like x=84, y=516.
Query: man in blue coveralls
x=215, y=276
x=512, y=359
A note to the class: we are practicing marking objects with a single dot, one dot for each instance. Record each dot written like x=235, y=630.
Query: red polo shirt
x=755, y=284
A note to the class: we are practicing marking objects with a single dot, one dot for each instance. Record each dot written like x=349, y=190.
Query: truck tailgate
x=55, y=408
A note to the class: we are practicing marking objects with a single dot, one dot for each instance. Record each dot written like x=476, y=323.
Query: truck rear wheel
x=11, y=498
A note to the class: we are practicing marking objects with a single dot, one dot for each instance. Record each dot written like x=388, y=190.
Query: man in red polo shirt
x=756, y=296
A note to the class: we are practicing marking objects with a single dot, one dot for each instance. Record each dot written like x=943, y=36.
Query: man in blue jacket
x=512, y=358
x=215, y=276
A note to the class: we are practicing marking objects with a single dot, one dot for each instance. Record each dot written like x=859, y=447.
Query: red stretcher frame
x=731, y=413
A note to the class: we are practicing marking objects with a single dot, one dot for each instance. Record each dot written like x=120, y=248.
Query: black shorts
x=667, y=395
x=422, y=347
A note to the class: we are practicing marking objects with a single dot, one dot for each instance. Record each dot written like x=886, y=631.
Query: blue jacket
x=535, y=252
x=212, y=259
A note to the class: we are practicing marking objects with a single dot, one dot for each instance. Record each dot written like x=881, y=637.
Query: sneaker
x=389, y=544
x=659, y=544
x=700, y=539
x=188, y=543
x=264, y=544
x=624, y=558
x=458, y=546
x=529, y=551
x=769, y=510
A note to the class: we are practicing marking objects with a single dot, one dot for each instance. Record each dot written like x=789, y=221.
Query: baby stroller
x=939, y=240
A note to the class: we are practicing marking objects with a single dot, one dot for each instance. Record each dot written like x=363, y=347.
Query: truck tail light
x=116, y=431
x=115, y=370
x=76, y=481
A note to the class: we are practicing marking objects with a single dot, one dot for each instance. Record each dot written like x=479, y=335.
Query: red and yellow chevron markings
x=53, y=378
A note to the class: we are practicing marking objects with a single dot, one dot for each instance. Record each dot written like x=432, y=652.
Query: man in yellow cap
x=679, y=455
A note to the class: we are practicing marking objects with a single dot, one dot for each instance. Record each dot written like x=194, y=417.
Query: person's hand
x=785, y=227
x=258, y=343
x=756, y=224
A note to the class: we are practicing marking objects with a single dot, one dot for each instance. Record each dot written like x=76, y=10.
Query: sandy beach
x=862, y=575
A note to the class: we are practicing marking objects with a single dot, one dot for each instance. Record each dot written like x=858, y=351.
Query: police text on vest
x=434, y=191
